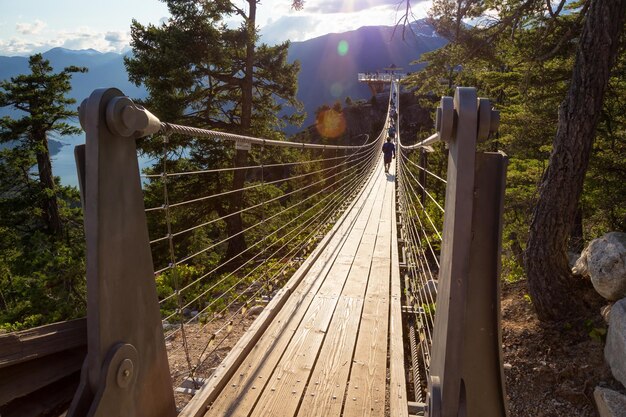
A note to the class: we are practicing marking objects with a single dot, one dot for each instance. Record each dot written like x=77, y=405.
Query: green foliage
x=528, y=299
x=194, y=67
x=42, y=256
x=597, y=334
x=523, y=62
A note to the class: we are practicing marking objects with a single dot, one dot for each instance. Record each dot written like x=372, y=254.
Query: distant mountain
x=105, y=70
x=325, y=76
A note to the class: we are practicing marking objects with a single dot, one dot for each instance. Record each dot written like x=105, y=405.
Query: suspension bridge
x=377, y=293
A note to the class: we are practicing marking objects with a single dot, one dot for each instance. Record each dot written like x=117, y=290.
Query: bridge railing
x=147, y=292
x=450, y=225
x=450, y=252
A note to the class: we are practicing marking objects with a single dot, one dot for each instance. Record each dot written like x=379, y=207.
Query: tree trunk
x=549, y=276
x=49, y=199
x=235, y=225
x=237, y=243
x=576, y=238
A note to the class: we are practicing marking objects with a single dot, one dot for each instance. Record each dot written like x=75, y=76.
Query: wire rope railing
x=290, y=198
x=449, y=238
x=231, y=218
x=421, y=221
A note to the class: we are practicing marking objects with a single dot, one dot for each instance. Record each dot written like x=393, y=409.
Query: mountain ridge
x=333, y=71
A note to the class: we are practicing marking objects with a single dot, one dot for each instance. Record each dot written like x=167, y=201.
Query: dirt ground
x=198, y=336
x=551, y=370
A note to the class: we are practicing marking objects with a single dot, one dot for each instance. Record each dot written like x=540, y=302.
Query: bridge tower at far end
x=379, y=81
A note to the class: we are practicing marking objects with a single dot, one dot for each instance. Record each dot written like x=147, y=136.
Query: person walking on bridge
x=391, y=131
x=389, y=152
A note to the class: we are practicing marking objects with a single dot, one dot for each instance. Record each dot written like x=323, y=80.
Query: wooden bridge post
x=466, y=377
x=126, y=371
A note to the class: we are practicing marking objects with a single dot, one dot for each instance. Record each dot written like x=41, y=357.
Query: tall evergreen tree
x=201, y=73
x=523, y=57
x=41, y=97
x=42, y=267
x=562, y=184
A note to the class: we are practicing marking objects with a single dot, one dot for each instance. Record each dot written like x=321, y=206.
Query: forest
x=539, y=62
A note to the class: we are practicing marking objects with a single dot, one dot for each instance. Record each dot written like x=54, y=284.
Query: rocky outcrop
x=604, y=261
x=615, y=348
x=610, y=403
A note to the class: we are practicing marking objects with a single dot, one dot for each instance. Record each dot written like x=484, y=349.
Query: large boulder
x=610, y=403
x=615, y=348
x=604, y=261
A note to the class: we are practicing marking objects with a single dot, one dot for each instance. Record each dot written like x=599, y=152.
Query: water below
x=64, y=164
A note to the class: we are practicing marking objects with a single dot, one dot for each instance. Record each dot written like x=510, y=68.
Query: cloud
x=346, y=6
x=34, y=28
x=78, y=38
x=294, y=28
x=21, y=47
x=117, y=38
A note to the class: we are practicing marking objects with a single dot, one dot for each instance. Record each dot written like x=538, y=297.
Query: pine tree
x=201, y=73
x=523, y=58
x=562, y=184
x=42, y=253
x=41, y=96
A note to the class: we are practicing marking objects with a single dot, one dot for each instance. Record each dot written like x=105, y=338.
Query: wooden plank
x=289, y=379
x=51, y=400
x=327, y=385
x=366, y=389
x=208, y=393
x=26, y=377
x=238, y=397
x=294, y=369
x=397, y=382
x=244, y=388
x=34, y=343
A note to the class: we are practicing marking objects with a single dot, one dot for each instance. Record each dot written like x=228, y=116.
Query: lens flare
x=342, y=48
x=330, y=123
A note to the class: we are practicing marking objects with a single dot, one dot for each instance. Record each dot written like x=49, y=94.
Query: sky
x=31, y=26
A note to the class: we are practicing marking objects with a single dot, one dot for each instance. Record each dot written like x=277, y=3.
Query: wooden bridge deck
x=335, y=346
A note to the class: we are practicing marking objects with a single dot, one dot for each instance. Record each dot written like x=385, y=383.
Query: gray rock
x=604, y=261
x=255, y=310
x=610, y=403
x=615, y=348
x=194, y=315
x=167, y=326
